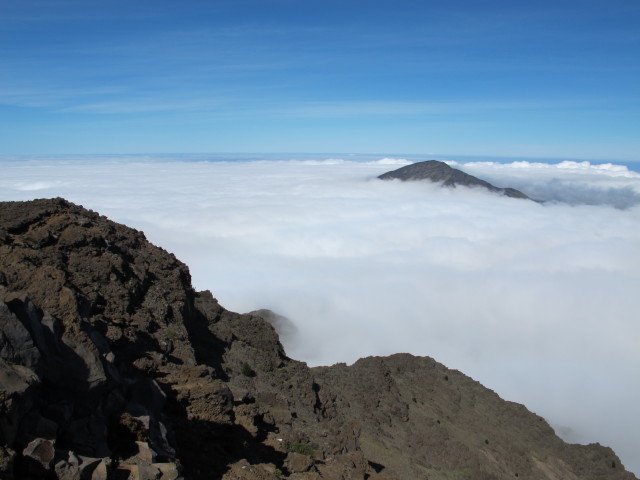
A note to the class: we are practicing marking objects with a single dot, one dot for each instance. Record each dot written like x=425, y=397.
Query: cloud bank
x=575, y=183
x=537, y=301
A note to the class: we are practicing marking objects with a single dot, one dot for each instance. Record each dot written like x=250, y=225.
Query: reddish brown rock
x=112, y=366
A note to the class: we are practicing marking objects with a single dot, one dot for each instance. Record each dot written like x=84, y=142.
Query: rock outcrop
x=113, y=367
x=440, y=172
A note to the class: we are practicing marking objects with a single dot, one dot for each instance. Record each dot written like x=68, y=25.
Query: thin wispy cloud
x=459, y=107
x=56, y=97
x=537, y=301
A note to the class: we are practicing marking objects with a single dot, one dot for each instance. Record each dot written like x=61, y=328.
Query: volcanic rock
x=440, y=172
x=112, y=366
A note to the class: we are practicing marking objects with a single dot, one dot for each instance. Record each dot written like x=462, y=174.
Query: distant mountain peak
x=440, y=172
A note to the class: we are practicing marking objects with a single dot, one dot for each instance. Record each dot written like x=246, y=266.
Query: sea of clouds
x=537, y=301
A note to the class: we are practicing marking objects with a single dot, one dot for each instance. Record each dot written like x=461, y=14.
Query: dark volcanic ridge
x=113, y=367
x=440, y=172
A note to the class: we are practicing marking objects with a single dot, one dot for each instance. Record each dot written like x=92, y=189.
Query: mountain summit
x=440, y=172
x=113, y=367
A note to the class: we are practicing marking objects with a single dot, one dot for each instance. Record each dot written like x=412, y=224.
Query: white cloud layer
x=536, y=301
x=575, y=183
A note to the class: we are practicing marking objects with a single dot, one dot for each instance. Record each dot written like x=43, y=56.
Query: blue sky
x=544, y=79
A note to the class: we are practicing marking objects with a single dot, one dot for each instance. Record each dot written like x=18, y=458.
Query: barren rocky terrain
x=112, y=366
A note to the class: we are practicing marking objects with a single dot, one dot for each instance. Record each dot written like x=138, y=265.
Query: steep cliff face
x=440, y=172
x=112, y=366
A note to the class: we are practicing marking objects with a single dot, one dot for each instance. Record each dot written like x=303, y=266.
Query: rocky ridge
x=112, y=366
x=440, y=172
